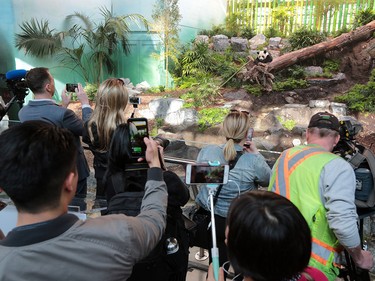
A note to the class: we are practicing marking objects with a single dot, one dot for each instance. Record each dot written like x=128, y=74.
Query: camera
x=18, y=89
x=70, y=87
x=347, y=145
x=135, y=100
x=161, y=141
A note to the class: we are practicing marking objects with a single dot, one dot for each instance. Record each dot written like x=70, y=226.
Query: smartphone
x=249, y=136
x=204, y=173
x=138, y=129
x=71, y=87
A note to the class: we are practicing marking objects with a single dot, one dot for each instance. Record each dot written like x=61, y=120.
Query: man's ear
x=337, y=139
x=70, y=182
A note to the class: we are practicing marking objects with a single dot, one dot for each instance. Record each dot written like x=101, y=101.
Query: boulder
x=220, y=42
x=239, y=44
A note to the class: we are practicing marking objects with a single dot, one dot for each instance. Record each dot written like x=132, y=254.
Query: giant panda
x=263, y=57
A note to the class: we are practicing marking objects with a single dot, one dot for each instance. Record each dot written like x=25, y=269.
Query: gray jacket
x=49, y=111
x=103, y=248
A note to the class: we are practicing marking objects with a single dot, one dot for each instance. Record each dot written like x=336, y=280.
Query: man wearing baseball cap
x=322, y=185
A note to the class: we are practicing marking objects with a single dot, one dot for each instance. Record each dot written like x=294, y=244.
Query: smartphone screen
x=71, y=87
x=201, y=174
x=138, y=129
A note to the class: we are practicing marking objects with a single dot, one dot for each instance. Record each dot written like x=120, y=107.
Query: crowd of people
x=295, y=230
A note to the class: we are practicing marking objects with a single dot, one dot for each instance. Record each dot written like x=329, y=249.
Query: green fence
x=288, y=15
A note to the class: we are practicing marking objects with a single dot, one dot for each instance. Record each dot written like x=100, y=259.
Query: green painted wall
x=139, y=66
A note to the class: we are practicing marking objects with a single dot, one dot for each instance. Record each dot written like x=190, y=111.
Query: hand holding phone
x=204, y=173
x=138, y=130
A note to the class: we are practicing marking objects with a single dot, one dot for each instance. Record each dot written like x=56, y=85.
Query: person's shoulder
x=211, y=147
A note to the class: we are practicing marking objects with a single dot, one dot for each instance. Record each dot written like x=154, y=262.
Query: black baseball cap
x=325, y=120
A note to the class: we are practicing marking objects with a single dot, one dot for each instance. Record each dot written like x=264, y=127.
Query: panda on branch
x=263, y=57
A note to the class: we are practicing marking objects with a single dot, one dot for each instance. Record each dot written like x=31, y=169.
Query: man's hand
x=363, y=259
x=65, y=98
x=152, y=153
x=81, y=95
x=210, y=275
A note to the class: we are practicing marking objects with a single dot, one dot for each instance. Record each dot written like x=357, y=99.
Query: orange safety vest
x=296, y=176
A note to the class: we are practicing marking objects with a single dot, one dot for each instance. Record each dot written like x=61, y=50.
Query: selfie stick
x=214, y=250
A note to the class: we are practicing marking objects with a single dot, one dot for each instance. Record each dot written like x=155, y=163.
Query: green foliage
x=295, y=71
x=227, y=64
x=255, y=90
x=288, y=124
x=159, y=122
x=247, y=33
x=208, y=32
x=372, y=75
x=360, y=98
x=331, y=66
x=341, y=31
x=232, y=26
x=221, y=29
x=186, y=82
x=280, y=17
x=363, y=17
x=153, y=90
x=209, y=117
x=195, y=60
x=91, y=90
x=203, y=94
x=304, y=37
x=289, y=84
x=272, y=32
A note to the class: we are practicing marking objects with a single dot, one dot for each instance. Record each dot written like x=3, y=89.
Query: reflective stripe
x=321, y=254
x=325, y=245
x=318, y=259
x=282, y=175
x=321, y=251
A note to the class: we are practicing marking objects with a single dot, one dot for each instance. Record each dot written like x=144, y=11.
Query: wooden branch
x=360, y=34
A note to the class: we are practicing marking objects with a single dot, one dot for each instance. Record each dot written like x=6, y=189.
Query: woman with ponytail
x=248, y=171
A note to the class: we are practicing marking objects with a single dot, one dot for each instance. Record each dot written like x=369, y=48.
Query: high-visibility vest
x=296, y=177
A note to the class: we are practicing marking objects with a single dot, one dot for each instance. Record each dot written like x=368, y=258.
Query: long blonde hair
x=235, y=127
x=111, y=101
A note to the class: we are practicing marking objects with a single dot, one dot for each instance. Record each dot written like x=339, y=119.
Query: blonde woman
x=111, y=101
x=249, y=170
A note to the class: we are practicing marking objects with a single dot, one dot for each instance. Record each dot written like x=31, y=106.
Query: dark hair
x=36, y=79
x=119, y=152
x=268, y=237
x=36, y=158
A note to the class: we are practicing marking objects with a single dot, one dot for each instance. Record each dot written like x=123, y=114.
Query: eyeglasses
x=240, y=111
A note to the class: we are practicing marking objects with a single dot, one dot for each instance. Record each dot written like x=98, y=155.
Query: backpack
x=363, y=162
x=163, y=260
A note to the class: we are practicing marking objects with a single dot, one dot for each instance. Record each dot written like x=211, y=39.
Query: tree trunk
x=360, y=34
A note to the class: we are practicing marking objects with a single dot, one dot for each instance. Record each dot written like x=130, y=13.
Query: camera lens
x=162, y=142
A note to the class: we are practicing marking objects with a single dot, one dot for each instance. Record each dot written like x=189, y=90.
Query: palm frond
x=38, y=39
x=87, y=23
